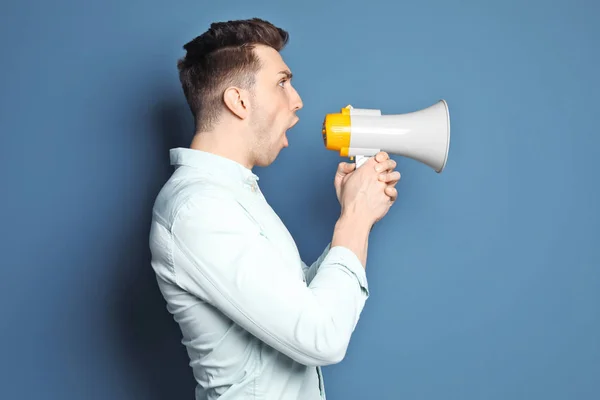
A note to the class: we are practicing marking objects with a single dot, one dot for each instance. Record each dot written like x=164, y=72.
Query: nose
x=295, y=102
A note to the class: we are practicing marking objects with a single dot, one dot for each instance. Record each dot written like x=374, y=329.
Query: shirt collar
x=214, y=164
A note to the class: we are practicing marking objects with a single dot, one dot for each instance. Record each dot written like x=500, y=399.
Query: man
x=257, y=322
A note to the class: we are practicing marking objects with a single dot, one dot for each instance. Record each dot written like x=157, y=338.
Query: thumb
x=346, y=168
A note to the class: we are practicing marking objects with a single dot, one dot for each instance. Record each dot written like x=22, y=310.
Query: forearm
x=352, y=231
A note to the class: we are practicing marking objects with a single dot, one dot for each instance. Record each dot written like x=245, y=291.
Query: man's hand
x=384, y=165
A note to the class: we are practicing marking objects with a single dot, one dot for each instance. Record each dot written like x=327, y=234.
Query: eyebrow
x=287, y=74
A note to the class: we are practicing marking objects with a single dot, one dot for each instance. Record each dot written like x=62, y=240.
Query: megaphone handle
x=360, y=160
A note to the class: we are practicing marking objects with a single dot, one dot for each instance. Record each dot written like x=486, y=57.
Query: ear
x=237, y=101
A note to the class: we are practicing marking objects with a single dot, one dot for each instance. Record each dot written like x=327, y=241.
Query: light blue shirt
x=257, y=322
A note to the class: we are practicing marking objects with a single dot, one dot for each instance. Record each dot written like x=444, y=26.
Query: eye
x=282, y=82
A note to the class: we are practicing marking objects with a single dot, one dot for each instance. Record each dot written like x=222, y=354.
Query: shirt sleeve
x=221, y=256
x=311, y=271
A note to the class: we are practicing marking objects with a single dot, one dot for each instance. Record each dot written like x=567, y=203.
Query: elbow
x=325, y=353
x=323, y=359
x=322, y=338
x=333, y=356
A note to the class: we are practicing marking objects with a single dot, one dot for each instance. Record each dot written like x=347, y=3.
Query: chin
x=269, y=159
x=265, y=161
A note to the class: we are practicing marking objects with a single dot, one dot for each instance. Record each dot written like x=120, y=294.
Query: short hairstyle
x=220, y=57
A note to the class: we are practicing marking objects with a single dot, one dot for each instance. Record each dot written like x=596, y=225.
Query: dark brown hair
x=220, y=57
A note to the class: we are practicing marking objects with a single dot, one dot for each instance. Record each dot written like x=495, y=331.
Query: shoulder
x=199, y=196
x=201, y=204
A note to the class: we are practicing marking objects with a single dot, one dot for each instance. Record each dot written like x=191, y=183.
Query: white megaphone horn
x=422, y=135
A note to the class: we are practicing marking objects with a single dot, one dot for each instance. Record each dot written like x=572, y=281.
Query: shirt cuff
x=344, y=256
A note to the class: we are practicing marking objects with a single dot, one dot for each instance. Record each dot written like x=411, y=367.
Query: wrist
x=352, y=231
x=354, y=218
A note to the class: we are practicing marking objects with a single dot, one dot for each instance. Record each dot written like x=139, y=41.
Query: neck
x=224, y=143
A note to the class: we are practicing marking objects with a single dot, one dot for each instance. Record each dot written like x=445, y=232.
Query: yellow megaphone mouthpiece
x=336, y=131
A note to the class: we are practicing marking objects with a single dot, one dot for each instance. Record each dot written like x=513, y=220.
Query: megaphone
x=422, y=135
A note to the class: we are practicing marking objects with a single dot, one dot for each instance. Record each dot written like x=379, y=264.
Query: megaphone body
x=422, y=135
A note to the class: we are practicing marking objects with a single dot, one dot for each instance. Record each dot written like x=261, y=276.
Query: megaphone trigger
x=360, y=160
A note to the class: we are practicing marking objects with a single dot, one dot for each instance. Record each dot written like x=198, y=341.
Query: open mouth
x=285, y=139
x=294, y=123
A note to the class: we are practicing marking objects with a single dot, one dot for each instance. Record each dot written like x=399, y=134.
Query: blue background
x=485, y=279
